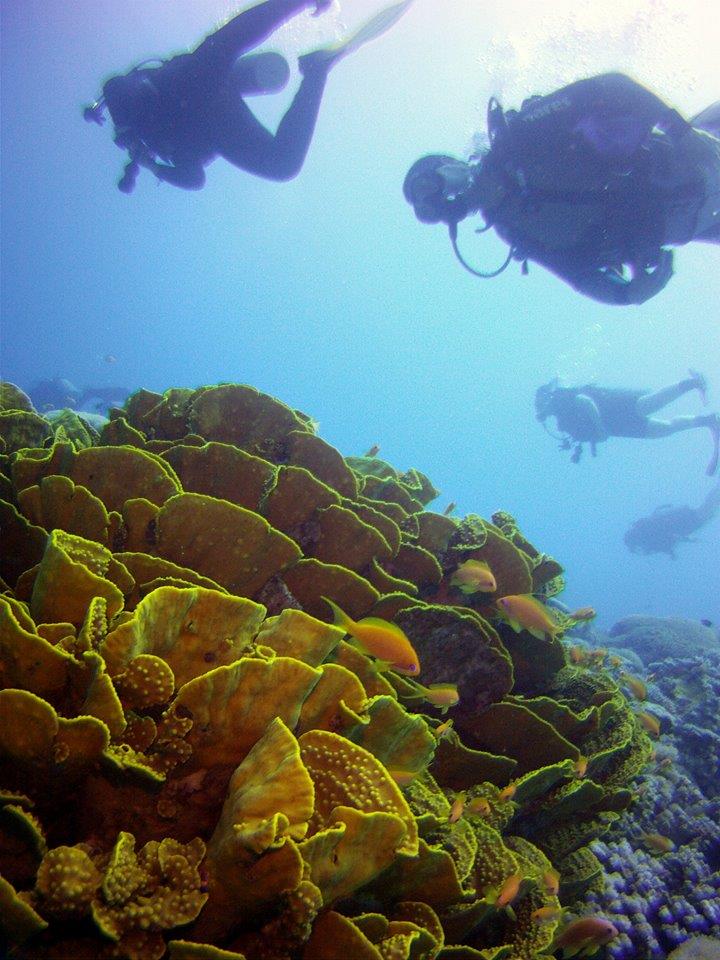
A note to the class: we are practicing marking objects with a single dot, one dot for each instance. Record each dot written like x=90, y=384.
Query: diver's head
x=545, y=399
x=132, y=100
x=437, y=186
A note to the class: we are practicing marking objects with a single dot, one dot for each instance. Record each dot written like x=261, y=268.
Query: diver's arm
x=188, y=176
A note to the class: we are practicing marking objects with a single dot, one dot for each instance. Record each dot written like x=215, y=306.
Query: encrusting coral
x=195, y=763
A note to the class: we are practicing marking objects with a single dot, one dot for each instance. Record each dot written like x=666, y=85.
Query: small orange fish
x=597, y=656
x=373, y=451
x=381, y=639
x=509, y=890
x=636, y=685
x=665, y=763
x=474, y=576
x=523, y=612
x=449, y=508
x=479, y=806
x=580, y=767
x=583, y=613
x=551, y=882
x=440, y=695
x=658, y=843
x=508, y=792
x=616, y=661
x=580, y=935
x=403, y=777
x=577, y=654
x=444, y=728
x=547, y=914
x=456, y=810
x=649, y=723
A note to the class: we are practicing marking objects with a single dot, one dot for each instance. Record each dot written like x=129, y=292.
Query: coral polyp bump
x=195, y=763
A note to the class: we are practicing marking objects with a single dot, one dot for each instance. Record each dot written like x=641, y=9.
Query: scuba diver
x=668, y=525
x=591, y=414
x=594, y=182
x=177, y=116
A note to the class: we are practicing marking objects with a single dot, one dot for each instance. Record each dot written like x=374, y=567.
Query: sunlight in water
x=670, y=45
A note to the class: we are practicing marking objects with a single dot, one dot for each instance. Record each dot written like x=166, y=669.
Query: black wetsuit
x=182, y=114
x=596, y=179
x=617, y=409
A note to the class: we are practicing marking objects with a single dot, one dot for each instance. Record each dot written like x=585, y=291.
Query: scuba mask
x=442, y=189
x=435, y=186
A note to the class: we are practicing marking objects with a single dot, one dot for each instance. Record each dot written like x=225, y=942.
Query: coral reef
x=657, y=638
x=195, y=763
x=662, y=857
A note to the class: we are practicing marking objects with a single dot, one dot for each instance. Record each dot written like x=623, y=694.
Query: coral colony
x=197, y=762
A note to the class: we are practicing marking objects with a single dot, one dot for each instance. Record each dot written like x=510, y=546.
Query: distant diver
x=594, y=182
x=178, y=115
x=61, y=394
x=591, y=414
x=668, y=525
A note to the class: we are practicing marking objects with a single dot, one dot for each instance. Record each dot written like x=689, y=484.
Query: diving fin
x=708, y=119
x=375, y=27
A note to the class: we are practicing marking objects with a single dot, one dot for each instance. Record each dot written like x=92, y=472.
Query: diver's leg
x=246, y=31
x=244, y=142
x=650, y=402
x=664, y=428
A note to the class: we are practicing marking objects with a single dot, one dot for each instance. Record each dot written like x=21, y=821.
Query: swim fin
x=715, y=457
x=708, y=119
x=375, y=27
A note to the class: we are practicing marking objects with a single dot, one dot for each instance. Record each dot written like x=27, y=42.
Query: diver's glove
x=126, y=184
x=647, y=280
x=611, y=284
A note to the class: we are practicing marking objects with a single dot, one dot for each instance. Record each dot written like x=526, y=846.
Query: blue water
x=327, y=293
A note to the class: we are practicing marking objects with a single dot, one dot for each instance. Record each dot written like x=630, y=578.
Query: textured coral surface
x=194, y=762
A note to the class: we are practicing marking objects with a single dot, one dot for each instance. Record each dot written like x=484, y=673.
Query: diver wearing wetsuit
x=594, y=182
x=591, y=413
x=176, y=118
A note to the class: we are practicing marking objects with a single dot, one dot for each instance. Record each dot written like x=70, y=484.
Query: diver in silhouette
x=175, y=117
x=668, y=525
x=591, y=414
x=595, y=182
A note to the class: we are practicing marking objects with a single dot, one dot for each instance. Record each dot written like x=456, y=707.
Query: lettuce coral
x=195, y=763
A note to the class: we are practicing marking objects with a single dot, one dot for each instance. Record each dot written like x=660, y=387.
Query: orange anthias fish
x=636, y=685
x=583, y=613
x=581, y=935
x=479, y=806
x=649, y=722
x=444, y=728
x=657, y=842
x=449, y=508
x=523, y=612
x=403, y=778
x=474, y=576
x=547, y=914
x=440, y=695
x=508, y=792
x=373, y=451
x=381, y=639
x=580, y=767
x=551, y=882
x=509, y=890
x=456, y=810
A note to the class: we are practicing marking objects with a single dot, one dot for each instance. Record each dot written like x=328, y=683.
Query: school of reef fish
x=256, y=700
